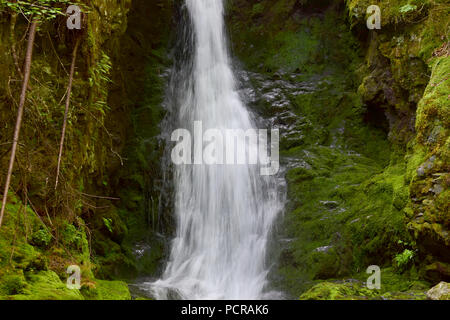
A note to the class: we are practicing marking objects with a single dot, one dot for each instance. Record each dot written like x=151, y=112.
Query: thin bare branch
x=26, y=78
x=66, y=112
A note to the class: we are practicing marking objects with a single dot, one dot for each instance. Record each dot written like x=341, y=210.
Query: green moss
x=42, y=237
x=291, y=51
x=12, y=284
x=15, y=251
x=361, y=172
x=24, y=271
x=46, y=285
x=113, y=290
x=392, y=287
x=110, y=122
x=105, y=290
x=113, y=260
x=348, y=191
x=282, y=38
x=257, y=9
x=352, y=189
x=344, y=206
x=426, y=20
x=428, y=213
x=434, y=109
x=338, y=291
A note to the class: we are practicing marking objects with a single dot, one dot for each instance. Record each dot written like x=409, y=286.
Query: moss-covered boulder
x=45, y=285
x=351, y=290
x=113, y=290
x=338, y=291
x=393, y=286
x=106, y=290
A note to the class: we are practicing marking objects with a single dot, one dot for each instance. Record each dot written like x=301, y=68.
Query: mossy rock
x=105, y=290
x=113, y=290
x=352, y=289
x=439, y=292
x=12, y=284
x=338, y=291
x=436, y=271
x=430, y=187
x=46, y=285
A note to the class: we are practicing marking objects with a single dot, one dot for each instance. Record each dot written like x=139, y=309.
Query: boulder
x=439, y=292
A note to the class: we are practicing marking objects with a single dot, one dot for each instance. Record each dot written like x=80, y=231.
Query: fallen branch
x=98, y=197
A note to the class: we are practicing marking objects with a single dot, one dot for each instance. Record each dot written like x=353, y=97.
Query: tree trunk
x=66, y=112
x=23, y=95
x=13, y=45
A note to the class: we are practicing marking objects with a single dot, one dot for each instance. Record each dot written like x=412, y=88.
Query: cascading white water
x=224, y=213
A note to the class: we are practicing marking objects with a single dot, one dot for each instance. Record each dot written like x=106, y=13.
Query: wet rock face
x=429, y=190
x=393, y=87
x=399, y=74
x=318, y=242
x=406, y=66
x=270, y=97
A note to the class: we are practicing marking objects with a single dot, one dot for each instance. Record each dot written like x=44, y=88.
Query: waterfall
x=224, y=213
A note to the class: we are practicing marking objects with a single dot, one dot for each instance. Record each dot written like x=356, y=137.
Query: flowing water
x=224, y=213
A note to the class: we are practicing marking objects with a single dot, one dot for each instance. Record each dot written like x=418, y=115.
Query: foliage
x=72, y=236
x=26, y=247
x=108, y=224
x=38, y=9
x=14, y=284
x=408, y=8
x=404, y=258
x=338, y=291
x=258, y=8
x=42, y=237
x=99, y=77
x=393, y=287
x=46, y=285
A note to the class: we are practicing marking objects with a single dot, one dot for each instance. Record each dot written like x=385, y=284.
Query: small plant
x=41, y=237
x=99, y=77
x=108, y=224
x=71, y=235
x=403, y=259
x=408, y=8
x=40, y=9
x=257, y=9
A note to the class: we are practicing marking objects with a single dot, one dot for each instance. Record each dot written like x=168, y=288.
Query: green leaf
x=408, y=8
